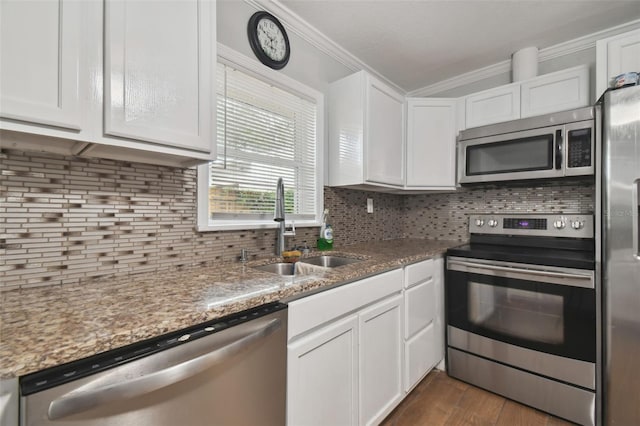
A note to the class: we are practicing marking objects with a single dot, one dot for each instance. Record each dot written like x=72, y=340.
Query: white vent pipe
x=524, y=64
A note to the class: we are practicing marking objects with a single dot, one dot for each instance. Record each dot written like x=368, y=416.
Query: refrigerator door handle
x=81, y=400
x=635, y=218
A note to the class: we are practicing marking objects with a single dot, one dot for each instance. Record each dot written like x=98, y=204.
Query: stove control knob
x=558, y=224
x=479, y=222
x=576, y=224
x=492, y=223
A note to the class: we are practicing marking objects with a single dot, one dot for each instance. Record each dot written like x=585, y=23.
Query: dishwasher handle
x=79, y=401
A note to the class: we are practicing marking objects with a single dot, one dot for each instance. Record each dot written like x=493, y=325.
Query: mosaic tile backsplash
x=66, y=219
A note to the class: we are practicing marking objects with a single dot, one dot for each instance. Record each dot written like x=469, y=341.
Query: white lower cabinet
x=322, y=387
x=355, y=351
x=344, y=362
x=419, y=354
x=424, y=318
x=380, y=360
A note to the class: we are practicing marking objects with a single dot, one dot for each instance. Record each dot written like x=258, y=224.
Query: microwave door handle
x=558, y=149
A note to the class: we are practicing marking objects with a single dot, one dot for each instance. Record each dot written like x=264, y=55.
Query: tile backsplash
x=445, y=216
x=67, y=219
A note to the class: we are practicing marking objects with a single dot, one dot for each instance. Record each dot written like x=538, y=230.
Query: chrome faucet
x=279, y=217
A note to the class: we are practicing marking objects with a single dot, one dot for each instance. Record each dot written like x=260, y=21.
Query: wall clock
x=268, y=40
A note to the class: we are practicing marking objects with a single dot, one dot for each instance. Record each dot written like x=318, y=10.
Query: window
x=268, y=126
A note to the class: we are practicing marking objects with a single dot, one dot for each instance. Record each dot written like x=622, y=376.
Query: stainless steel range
x=522, y=311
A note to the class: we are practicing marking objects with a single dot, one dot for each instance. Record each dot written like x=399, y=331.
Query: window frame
x=254, y=68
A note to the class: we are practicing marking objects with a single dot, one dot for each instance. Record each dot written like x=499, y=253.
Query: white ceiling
x=417, y=43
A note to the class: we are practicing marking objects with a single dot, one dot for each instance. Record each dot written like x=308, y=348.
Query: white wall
x=307, y=64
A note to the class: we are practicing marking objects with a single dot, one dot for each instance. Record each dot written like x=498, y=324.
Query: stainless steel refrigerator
x=617, y=195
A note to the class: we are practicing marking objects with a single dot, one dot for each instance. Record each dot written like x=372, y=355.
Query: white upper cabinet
x=616, y=55
x=557, y=91
x=40, y=62
x=493, y=106
x=366, y=122
x=545, y=94
x=384, y=147
x=158, y=69
x=121, y=79
x=431, y=143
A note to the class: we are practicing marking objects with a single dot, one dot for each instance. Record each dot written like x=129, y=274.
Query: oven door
x=540, y=308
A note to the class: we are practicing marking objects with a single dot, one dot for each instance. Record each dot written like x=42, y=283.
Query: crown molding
x=552, y=52
x=320, y=41
x=298, y=26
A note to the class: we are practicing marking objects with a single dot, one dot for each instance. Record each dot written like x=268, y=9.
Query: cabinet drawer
x=312, y=311
x=420, y=307
x=419, y=356
x=418, y=272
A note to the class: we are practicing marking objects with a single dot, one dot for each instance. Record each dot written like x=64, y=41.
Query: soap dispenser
x=325, y=242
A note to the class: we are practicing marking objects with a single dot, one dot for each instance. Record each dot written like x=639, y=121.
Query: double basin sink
x=282, y=268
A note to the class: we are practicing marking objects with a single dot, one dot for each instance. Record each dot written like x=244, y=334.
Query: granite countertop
x=47, y=326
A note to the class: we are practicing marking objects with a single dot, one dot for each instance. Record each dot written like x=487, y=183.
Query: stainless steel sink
x=280, y=268
x=330, y=261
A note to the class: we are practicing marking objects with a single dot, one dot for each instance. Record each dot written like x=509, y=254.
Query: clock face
x=268, y=40
x=271, y=39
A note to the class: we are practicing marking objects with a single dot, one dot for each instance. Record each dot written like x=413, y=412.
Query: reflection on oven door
x=519, y=313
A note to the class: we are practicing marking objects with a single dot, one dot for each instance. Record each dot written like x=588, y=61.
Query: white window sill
x=247, y=226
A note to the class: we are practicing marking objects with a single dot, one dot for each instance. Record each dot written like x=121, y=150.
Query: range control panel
x=570, y=225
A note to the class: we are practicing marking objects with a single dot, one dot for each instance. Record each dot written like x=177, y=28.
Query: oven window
x=519, y=155
x=515, y=312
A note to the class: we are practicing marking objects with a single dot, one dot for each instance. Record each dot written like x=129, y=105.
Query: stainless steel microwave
x=548, y=146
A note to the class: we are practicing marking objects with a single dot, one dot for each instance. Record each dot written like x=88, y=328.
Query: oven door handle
x=552, y=277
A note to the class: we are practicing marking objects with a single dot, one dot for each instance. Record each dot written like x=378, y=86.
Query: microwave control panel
x=579, y=148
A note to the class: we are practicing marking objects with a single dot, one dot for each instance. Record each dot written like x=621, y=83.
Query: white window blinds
x=263, y=133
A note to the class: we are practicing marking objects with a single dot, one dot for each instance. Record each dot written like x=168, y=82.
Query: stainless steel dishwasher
x=230, y=371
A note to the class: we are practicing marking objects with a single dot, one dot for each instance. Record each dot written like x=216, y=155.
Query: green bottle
x=325, y=242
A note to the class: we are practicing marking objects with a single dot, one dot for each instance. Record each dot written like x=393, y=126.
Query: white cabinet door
x=380, y=360
x=158, y=71
x=420, y=356
x=322, y=368
x=431, y=143
x=384, y=149
x=616, y=55
x=40, y=62
x=557, y=91
x=493, y=106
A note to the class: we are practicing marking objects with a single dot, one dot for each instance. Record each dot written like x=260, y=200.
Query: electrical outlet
x=369, y=205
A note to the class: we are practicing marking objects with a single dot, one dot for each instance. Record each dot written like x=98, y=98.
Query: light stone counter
x=48, y=326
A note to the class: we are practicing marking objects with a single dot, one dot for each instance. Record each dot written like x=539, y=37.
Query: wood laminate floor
x=440, y=400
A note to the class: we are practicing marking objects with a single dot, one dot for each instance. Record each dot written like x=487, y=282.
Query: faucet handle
x=291, y=232
x=244, y=255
